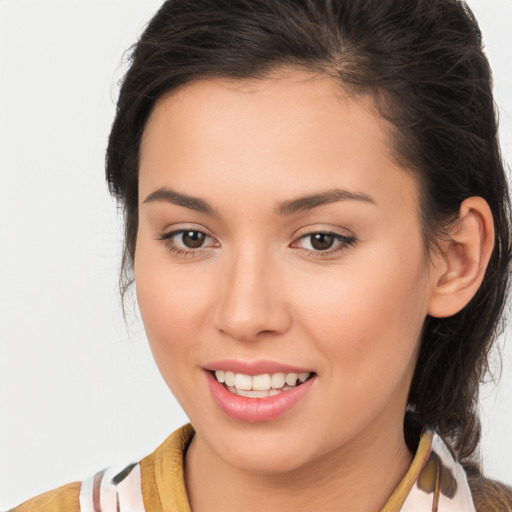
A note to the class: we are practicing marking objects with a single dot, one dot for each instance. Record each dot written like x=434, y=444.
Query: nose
x=252, y=302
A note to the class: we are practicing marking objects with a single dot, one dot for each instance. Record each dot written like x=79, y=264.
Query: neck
x=359, y=478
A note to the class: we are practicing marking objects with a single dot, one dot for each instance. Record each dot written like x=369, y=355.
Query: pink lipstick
x=260, y=401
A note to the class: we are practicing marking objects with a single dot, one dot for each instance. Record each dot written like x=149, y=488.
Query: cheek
x=172, y=303
x=366, y=325
x=367, y=316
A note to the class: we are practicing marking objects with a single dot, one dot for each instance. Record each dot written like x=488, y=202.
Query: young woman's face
x=278, y=236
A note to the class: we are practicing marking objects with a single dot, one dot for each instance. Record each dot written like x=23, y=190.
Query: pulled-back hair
x=421, y=61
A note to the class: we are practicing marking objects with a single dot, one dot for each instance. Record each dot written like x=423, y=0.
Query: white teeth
x=229, y=378
x=278, y=380
x=252, y=394
x=291, y=379
x=261, y=382
x=256, y=394
x=260, y=386
x=243, y=381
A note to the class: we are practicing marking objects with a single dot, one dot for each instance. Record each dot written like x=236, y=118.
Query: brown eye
x=188, y=242
x=193, y=239
x=324, y=244
x=321, y=241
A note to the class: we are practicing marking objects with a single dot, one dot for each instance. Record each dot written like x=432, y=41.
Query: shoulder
x=156, y=482
x=62, y=498
x=113, y=489
x=490, y=495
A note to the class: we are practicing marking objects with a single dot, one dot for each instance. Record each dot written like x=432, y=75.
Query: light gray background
x=77, y=390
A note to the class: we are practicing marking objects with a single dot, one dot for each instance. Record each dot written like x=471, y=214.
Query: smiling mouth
x=260, y=386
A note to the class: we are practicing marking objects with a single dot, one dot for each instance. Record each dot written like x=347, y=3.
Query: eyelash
x=345, y=243
x=167, y=239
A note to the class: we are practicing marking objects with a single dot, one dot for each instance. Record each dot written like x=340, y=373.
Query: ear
x=463, y=259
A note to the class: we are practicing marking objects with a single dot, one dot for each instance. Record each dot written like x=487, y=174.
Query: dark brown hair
x=422, y=63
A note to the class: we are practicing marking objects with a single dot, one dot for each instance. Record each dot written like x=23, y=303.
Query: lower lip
x=254, y=410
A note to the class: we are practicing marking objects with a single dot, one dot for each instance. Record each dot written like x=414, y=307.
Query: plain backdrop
x=78, y=388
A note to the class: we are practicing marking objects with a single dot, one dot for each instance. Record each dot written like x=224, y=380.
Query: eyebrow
x=171, y=196
x=285, y=208
x=319, y=199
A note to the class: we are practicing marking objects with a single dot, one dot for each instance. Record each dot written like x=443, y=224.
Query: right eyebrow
x=171, y=196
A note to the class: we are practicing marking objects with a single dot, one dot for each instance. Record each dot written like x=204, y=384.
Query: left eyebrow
x=305, y=203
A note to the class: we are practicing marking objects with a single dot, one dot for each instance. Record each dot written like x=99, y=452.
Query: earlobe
x=464, y=259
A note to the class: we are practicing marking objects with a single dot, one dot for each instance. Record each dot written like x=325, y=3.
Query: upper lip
x=254, y=367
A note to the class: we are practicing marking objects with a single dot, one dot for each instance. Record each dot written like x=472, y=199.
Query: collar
x=434, y=482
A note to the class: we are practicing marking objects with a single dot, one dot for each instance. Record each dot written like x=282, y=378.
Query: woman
x=317, y=224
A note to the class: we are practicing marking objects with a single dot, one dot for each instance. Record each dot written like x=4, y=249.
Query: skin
x=253, y=291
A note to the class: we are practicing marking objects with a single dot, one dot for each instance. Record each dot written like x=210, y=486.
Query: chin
x=263, y=450
x=264, y=461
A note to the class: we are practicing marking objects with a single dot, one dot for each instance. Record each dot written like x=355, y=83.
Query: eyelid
x=184, y=226
x=328, y=229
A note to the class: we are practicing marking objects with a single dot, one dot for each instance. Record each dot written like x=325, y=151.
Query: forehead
x=289, y=99
x=287, y=134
